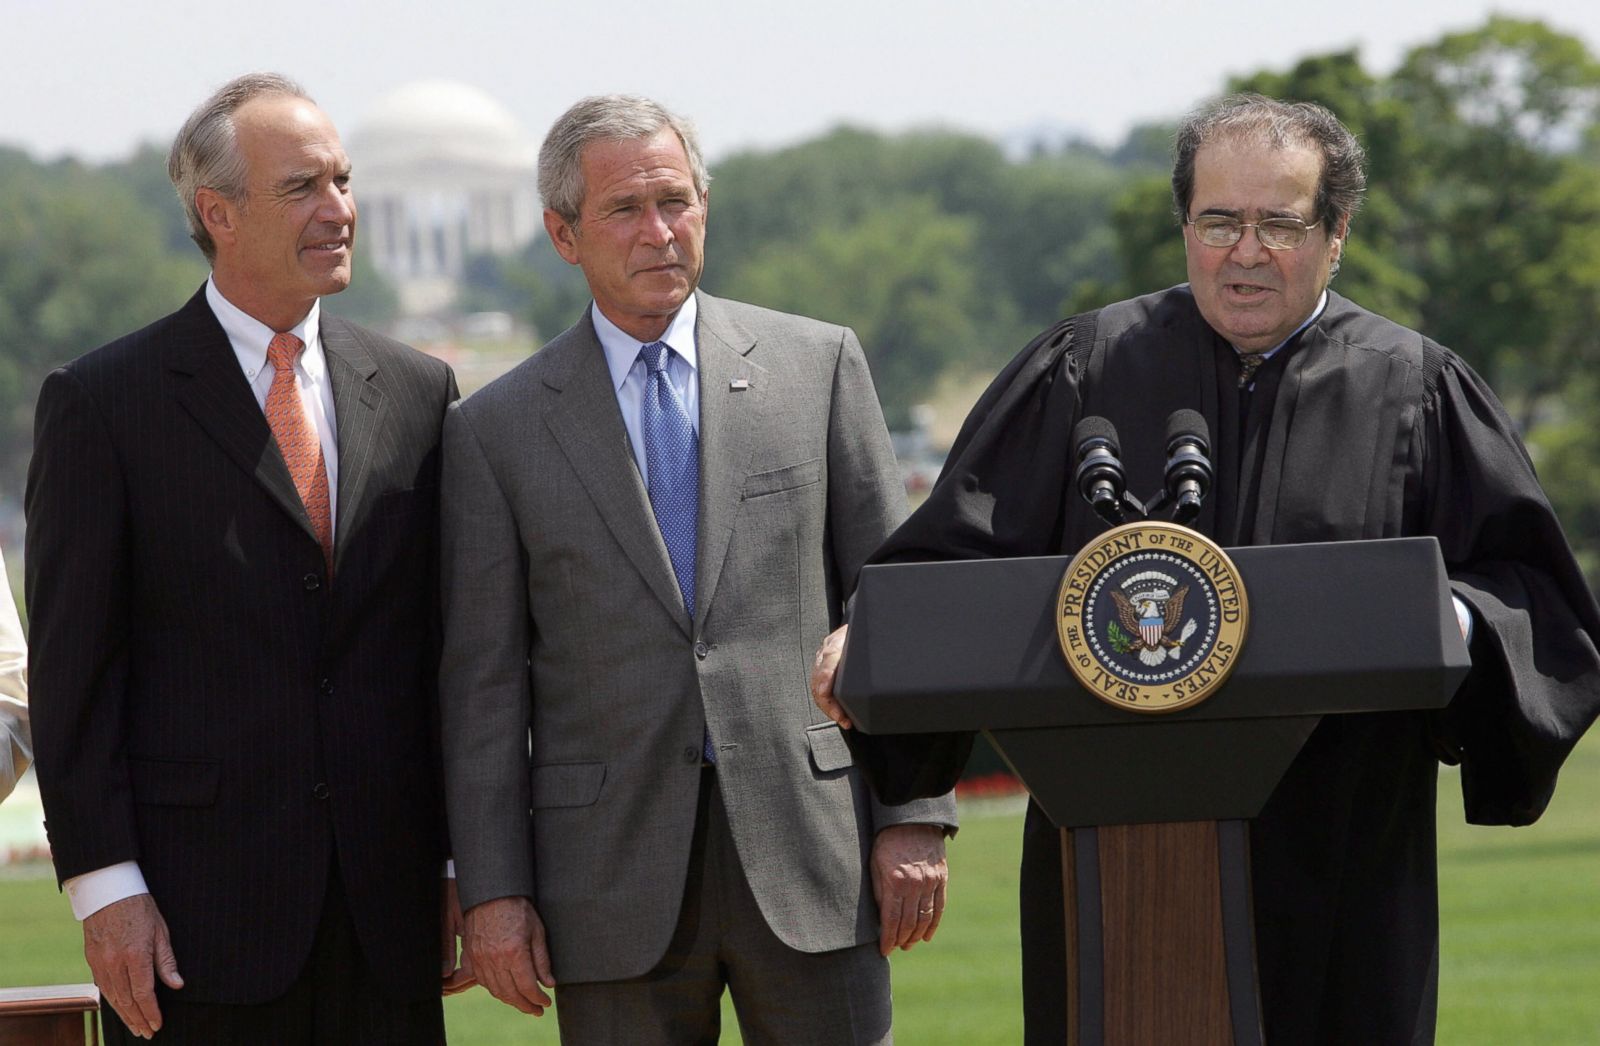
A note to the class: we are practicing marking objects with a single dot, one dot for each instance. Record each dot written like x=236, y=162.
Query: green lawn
x=1520, y=918
x=1520, y=910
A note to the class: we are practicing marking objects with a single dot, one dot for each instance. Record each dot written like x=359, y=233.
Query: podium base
x=1160, y=942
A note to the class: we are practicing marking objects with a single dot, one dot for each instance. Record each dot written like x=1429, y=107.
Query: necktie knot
x=1249, y=363
x=283, y=350
x=655, y=356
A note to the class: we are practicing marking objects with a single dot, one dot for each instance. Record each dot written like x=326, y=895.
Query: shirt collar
x=1322, y=303
x=622, y=349
x=250, y=337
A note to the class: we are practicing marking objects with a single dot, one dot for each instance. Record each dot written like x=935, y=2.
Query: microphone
x=1100, y=477
x=1188, y=478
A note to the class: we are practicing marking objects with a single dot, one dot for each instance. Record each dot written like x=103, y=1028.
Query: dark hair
x=1278, y=124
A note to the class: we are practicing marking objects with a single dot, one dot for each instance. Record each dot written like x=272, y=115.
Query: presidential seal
x=1152, y=617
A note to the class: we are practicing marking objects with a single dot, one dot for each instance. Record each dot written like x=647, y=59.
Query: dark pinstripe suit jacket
x=206, y=701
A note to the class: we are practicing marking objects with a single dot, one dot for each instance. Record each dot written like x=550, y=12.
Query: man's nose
x=655, y=229
x=1249, y=251
x=338, y=205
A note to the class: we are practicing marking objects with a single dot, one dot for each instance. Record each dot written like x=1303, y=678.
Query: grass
x=1520, y=918
x=1520, y=949
x=961, y=989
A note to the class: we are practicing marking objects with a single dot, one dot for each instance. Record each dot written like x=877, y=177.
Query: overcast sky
x=93, y=77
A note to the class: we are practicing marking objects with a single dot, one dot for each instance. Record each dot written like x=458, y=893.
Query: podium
x=1153, y=808
x=57, y=1015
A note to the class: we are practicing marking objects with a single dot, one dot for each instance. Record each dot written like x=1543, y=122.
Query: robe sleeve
x=1002, y=489
x=1535, y=682
x=1001, y=493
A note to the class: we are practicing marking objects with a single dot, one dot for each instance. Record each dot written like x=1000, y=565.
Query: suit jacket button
x=312, y=582
x=691, y=754
x=326, y=686
x=701, y=650
x=320, y=791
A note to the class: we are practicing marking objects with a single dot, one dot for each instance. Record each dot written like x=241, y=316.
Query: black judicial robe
x=1359, y=428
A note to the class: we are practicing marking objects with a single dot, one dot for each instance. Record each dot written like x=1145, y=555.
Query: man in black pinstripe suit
x=234, y=696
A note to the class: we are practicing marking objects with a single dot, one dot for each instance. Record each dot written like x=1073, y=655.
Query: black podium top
x=1355, y=626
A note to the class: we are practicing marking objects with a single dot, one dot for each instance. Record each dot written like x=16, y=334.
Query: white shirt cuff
x=1463, y=618
x=450, y=869
x=92, y=891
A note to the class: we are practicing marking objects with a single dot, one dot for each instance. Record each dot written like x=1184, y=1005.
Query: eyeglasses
x=1277, y=234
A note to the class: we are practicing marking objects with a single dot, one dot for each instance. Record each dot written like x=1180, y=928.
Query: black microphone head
x=1095, y=427
x=1188, y=424
x=1099, y=476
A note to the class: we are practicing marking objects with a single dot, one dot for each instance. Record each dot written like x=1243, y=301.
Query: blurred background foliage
x=1481, y=228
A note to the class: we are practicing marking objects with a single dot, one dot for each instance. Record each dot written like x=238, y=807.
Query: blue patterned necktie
x=672, y=457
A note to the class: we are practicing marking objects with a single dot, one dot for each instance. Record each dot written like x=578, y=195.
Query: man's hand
x=457, y=978
x=908, y=881
x=127, y=945
x=505, y=949
x=822, y=673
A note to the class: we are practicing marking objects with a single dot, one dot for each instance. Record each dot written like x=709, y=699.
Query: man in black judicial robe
x=1353, y=427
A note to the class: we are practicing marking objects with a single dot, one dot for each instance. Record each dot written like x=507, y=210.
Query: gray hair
x=605, y=118
x=205, y=155
x=1278, y=124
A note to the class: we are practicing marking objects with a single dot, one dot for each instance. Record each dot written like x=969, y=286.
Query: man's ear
x=218, y=214
x=563, y=235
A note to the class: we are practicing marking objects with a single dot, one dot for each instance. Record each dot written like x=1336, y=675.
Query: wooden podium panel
x=52, y=1015
x=1140, y=1003
x=1159, y=941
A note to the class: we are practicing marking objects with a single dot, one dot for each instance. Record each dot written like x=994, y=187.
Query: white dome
x=441, y=121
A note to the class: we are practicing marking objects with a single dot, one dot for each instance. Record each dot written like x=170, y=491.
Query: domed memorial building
x=443, y=171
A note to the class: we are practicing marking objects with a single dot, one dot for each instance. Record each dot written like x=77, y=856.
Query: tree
x=905, y=277
x=1040, y=224
x=144, y=173
x=1566, y=451
x=1149, y=247
x=81, y=261
x=537, y=284
x=1500, y=114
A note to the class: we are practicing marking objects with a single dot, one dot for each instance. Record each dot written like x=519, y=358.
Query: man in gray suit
x=648, y=527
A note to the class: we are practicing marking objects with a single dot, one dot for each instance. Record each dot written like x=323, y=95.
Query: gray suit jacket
x=575, y=685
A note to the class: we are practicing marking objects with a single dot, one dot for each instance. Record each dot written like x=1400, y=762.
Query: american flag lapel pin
x=738, y=384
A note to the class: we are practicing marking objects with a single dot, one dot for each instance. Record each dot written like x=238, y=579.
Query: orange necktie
x=297, y=439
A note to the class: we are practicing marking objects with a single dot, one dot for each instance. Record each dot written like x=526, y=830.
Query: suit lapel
x=358, y=406
x=726, y=412
x=587, y=424
x=219, y=399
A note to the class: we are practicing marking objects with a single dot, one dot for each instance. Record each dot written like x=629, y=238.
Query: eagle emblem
x=1151, y=617
x=1150, y=612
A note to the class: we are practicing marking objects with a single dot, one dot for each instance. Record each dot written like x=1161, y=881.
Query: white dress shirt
x=629, y=375
x=249, y=337
x=16, y=744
